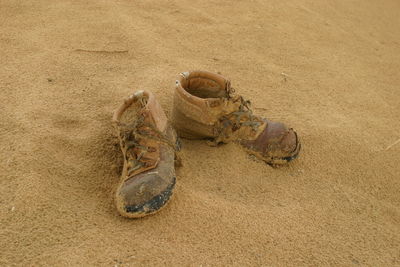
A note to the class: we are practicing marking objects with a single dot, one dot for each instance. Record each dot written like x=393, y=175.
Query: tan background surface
x=338, y=204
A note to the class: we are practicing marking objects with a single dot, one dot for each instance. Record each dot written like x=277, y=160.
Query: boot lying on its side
x=205, y=107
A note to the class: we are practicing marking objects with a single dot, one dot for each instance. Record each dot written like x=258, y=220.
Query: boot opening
x=204, y=87
x=131, y=111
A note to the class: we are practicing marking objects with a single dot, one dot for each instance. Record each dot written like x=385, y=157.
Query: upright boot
x=206, y=107
x=148, y=143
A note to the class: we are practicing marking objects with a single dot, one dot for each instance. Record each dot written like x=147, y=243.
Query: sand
x=329, y=69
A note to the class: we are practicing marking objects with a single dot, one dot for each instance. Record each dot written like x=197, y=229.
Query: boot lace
x=131, y=135
x=234, y=119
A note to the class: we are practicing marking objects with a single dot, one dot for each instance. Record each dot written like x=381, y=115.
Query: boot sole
x=152, y=206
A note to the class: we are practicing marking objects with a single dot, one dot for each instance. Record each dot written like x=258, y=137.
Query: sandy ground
x=66, y=65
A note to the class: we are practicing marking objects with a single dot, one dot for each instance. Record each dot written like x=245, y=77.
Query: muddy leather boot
x=206, y=107
x=148, y=143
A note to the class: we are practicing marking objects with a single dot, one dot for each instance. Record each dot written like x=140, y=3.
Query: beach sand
x=329, y=69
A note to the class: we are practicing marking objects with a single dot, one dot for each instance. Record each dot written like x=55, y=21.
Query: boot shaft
x=205, y=107
x=201, y=99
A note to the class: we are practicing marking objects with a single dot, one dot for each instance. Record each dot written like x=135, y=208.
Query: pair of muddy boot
x=205, y=107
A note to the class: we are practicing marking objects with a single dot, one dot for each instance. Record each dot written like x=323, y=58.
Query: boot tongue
x=155, y=114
